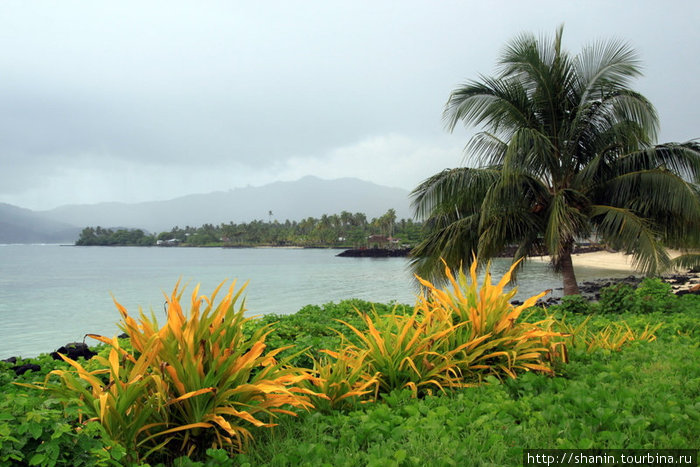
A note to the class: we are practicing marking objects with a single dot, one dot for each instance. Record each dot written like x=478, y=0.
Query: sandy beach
x=598, y=259
x=603, y=259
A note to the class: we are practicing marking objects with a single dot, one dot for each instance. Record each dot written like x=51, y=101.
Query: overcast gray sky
x=136, y=101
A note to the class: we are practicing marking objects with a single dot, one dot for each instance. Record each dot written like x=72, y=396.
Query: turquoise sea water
x=51, y=295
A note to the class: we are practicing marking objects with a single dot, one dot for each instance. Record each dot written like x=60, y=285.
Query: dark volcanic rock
x=546, y=302
x=677, y=279
x=22, y=369
x=73, y=351
x=375, y=253
x=692, y=290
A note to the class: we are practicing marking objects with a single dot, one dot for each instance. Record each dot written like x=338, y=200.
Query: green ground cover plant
x=643, y=396
x=642, y=393
x=40, y=430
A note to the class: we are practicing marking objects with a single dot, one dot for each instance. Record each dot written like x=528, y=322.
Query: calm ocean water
x=51, y=295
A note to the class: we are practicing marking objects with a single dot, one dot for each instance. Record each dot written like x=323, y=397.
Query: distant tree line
x=98, y=236
x=339, y=230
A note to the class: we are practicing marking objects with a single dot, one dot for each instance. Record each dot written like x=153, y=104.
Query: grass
x=644, y=395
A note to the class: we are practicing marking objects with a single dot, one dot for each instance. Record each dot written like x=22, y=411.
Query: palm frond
x=655, y=193
x=566, y=221
x=680, y=158
x=449, y=238
x=510, y=212
x=486, y=148
x=530, y=150
x=686, y=261
x=630, y=106
x=498, y=104
x=624, y=230
x=605, y=65
x=461, y=188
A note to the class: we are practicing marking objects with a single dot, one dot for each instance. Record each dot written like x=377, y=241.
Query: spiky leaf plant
x=194, y=383
x=612, y=337
x=406, y=351
x=486, y=326
x=341, y=378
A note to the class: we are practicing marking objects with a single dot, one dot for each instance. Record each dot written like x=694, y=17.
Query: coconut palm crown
x=567, y=153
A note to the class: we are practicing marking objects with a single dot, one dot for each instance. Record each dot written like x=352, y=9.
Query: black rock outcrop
x=22, y=369
x=375, y=253
x=73, y=351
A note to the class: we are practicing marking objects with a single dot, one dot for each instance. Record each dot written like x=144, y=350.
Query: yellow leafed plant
x=487, y=329
x=454, y=338
x=406, y=351
x=194, y=383
x=612, y=337
x=341, y=378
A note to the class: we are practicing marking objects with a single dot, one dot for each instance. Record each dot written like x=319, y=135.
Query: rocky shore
x=72, y=350
x=681, y=284
x=375, y=253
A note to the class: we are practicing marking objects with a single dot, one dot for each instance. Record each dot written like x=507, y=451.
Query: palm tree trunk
x=567, y=271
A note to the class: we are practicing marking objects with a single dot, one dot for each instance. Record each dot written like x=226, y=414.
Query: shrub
x=653, y=294
x=618, y=298
x=39, y=431
x=644, y=396
x=314, y=328
x=194, y=383
x=612, y=336
x=574, y=304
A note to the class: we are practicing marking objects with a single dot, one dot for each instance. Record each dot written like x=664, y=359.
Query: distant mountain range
x=19, y=225
x=307, y=197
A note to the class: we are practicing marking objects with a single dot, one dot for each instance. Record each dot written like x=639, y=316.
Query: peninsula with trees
x=344, y=230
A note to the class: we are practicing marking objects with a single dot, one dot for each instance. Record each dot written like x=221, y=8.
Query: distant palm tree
x=359, y=219
x=390, y=220
x=567, y=152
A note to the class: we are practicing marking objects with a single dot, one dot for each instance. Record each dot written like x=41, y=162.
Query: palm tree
x=567, y=151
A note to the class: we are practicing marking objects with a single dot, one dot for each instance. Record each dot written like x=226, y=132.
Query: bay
x=51, y=295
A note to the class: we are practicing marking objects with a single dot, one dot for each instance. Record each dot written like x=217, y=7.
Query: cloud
x=393, y=160
x=129, y=100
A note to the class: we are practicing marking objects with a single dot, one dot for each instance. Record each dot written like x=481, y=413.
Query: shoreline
x=603, y=259
x=681, y=280
x=614, y=261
